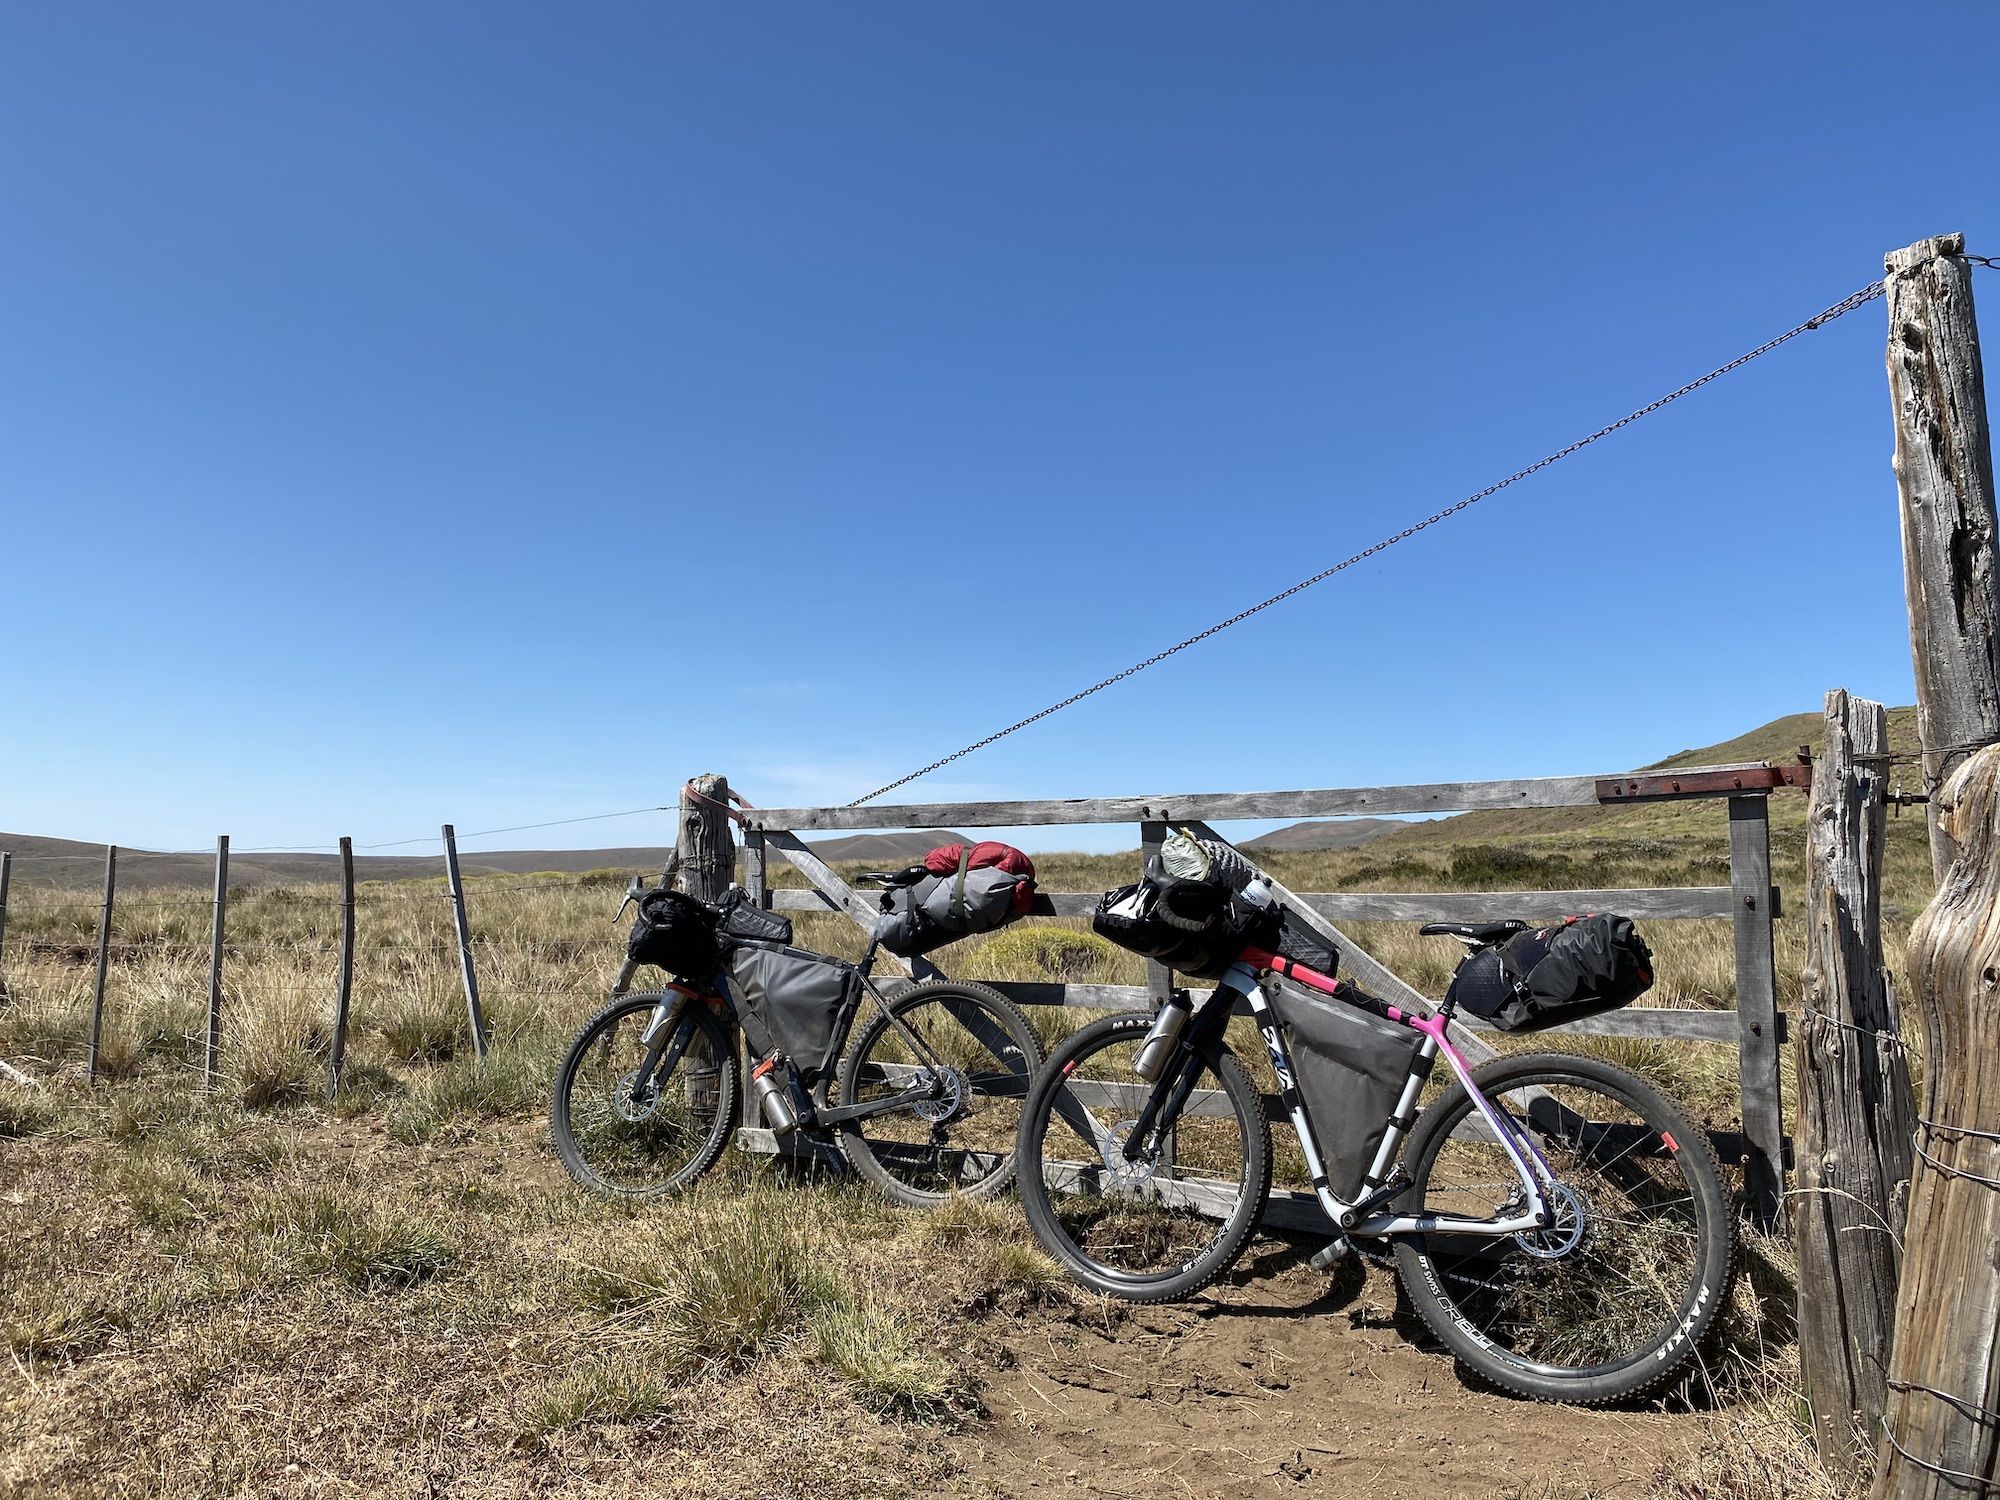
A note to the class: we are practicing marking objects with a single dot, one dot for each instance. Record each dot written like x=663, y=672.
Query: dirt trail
x=1283, y=1384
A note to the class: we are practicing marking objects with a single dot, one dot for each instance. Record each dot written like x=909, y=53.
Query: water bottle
x=1159, y=1044
x=773, y=1098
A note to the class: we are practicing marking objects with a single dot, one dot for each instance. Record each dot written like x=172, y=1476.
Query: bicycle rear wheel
x=1612, y=1300
x=627, y=1141
x=1168, y=1223
x=980, y=1052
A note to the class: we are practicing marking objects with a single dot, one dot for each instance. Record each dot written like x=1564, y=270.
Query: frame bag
x=1351, y=1069
x=1581, y=967
x=788, y=1000
x=677, y=933
x=967, y=888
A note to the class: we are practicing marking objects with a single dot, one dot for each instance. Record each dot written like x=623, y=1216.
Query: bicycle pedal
x=1331, y=1254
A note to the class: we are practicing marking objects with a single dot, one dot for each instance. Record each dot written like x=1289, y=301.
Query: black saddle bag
x=1351, y=1066
x=1583, y=966
x=677, y=933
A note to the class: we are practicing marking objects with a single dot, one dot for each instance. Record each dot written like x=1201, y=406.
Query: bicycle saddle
x=1480, y=933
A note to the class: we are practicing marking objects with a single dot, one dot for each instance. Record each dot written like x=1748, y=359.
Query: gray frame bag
x=1351, y=1067
x=789, y=1000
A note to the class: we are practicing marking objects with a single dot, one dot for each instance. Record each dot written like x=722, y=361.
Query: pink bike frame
x=1529, y=1164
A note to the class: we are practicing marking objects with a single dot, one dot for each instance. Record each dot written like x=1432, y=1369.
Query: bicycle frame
x=1364, y=1216
x=664, y=1040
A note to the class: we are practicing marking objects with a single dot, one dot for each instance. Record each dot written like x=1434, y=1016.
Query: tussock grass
x=620, y=1389
x=24, y=1113
x=360, y=1240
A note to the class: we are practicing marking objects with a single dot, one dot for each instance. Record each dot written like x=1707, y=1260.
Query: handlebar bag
x=1351, y=1066
x=1582, y=966
x=1195, y=927
x=789, y=1000
x=677, y=933
x=971, y=888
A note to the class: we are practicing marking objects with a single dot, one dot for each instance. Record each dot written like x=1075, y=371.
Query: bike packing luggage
x=963, y=889
x=1190, y=912
x=788, y=1000
x=1351, y=1066
x=742, y=919
x=1580, y=967
x=677, y=933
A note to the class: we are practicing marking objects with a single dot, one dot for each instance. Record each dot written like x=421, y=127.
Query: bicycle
x=1557, y=1223
x=921, y=1098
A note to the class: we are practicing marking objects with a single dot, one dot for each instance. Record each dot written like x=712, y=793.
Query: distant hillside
x=69, y=863
x=1343, y=833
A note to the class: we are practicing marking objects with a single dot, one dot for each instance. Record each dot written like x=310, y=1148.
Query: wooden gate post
x=706, y=850
x=211, y=1052
x=1757, y=1010
x=1856, y=1110
x=1944, y=475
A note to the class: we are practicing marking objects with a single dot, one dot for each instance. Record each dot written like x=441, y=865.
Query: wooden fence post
x=1856, y=1110
x=1944, y=476
x=706, y=850
x=756, y=879
x=6, y=878
x=103, y=959
x=1943, y=1436
x=211, y=1055
x=336, y=1056
x=474, y=1014
x=1941, y=1430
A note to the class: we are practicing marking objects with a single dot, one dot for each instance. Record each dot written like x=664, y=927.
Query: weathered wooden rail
x=1750, y=902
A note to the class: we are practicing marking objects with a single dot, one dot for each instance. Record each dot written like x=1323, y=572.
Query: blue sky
x=499, y=412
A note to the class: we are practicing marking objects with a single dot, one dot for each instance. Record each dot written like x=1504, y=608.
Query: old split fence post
x=103, y=961
x=1944, y=476
x=1757, y=1007
x=1941, y=1429
x=211, y=1052
x=475, y=1017
x=1855, y=1110
x=706, y=847
x=336, y=1055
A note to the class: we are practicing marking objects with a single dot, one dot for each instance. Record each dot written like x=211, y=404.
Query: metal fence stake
x=477, y=1017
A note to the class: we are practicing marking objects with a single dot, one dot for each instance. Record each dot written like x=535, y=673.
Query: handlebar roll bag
x=677, y=933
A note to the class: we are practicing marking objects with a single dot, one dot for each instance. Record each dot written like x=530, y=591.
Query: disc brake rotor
x=1572, y=1221
x=1121, y=1171
x=634, y=1110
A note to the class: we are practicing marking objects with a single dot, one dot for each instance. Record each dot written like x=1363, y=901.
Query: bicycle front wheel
x=1612, y=1300
x=1167, y=1222
x=976, y=1056
x=630, y=1139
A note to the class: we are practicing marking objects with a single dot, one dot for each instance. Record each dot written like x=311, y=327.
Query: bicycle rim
x=979, y=1058
x=1613, y=1297
x=640, y=1143
x=1166, y=1221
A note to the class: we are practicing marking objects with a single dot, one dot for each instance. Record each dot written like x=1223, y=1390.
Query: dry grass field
x=252, y=1292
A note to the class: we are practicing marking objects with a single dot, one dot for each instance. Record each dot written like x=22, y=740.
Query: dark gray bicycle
x=919, y=1086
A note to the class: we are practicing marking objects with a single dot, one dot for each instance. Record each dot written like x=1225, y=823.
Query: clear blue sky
x=499, y=412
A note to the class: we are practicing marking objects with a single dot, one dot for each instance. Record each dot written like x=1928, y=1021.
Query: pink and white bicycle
x=1557, y=1222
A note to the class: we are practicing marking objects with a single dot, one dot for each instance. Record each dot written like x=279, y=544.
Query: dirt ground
x=1286, y=1384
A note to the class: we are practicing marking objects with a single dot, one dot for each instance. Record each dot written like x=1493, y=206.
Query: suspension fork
x=1163, y=1106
